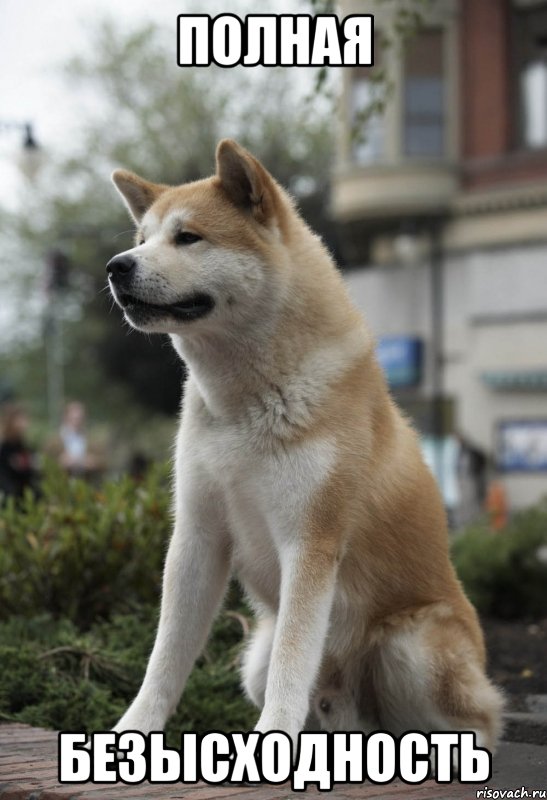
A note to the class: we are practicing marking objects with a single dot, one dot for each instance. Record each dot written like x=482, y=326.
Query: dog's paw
x=140, y=717
x=277, y=722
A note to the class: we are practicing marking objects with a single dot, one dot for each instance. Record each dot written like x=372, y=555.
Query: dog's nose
x=120, y=266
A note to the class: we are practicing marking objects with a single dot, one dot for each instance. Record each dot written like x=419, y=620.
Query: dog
x=296, y=472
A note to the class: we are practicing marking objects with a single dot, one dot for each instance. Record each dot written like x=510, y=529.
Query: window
x=534, y=104
x=368, y=127
x=424, y=101
x=530, y=43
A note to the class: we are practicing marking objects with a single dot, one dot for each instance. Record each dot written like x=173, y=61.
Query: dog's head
x=203, y=252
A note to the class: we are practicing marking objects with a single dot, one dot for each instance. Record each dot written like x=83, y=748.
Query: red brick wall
x=488, y=106
x=485, y=78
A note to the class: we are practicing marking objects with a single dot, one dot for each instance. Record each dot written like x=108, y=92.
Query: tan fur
x=403, y=647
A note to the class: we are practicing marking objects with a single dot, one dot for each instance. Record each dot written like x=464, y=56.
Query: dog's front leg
x=195, y=578
x=308, y=574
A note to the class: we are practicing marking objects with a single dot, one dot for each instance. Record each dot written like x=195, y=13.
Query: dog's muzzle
x=121, y=268
x=121, y=273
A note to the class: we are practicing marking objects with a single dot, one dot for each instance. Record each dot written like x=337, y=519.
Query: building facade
x=440, y=193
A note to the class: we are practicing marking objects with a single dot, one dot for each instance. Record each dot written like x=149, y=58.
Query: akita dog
x=295, y=471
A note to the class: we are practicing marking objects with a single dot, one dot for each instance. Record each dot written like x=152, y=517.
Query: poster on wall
x=401, y=358
x=522, y=445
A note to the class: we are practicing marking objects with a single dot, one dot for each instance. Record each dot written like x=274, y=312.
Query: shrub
x=503, y=572
x=81, y=552
x=53, y=675
x=80, y=575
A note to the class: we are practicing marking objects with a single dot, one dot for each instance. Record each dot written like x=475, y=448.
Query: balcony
x=387, y=192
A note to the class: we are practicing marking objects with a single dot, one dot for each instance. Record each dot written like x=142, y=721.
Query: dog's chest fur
x=266, y=486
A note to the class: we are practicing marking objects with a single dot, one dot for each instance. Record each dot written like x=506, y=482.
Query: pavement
x=28, y=771
x=529, y=722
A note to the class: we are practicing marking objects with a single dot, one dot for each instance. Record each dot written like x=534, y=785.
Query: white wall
x=495, y=313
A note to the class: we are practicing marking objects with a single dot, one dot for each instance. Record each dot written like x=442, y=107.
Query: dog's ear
x=248, y=185
x=138, y=194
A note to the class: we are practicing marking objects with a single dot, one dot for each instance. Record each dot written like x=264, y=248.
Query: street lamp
x=56, y=278
x=30, y=160
x=437, y=345
x=29, y=142
x=57, y=282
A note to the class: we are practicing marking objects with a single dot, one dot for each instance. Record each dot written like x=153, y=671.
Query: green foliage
x=505, y=573
x=54, y=676
x=81, y=552
x=80, y=573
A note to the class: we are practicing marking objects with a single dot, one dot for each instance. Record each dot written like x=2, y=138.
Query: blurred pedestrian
x=139, y=465
x=497, y=506
x=472, y=465
x=18, y=469
x=74, y=452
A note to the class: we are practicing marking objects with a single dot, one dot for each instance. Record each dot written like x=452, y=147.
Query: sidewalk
x=28, y=771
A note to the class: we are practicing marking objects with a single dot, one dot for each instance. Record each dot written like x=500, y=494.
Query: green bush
x=83, y=553
x=80, y=575
x=504, y=572
x=54, y=676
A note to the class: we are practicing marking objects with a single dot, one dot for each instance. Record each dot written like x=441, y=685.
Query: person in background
x=75, y=454
x=18, y=470
x=471, y=473
x=496, y=503
x=139, y=465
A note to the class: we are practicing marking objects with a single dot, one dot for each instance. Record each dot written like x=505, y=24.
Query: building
x=441, y=201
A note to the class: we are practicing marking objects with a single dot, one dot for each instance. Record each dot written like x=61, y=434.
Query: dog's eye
x=141, y=241
x=185, y=237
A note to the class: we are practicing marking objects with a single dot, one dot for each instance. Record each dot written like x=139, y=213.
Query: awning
x=528, y=380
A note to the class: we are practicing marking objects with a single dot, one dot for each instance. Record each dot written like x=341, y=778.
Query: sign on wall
x=401, y=358
x=522, y=445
